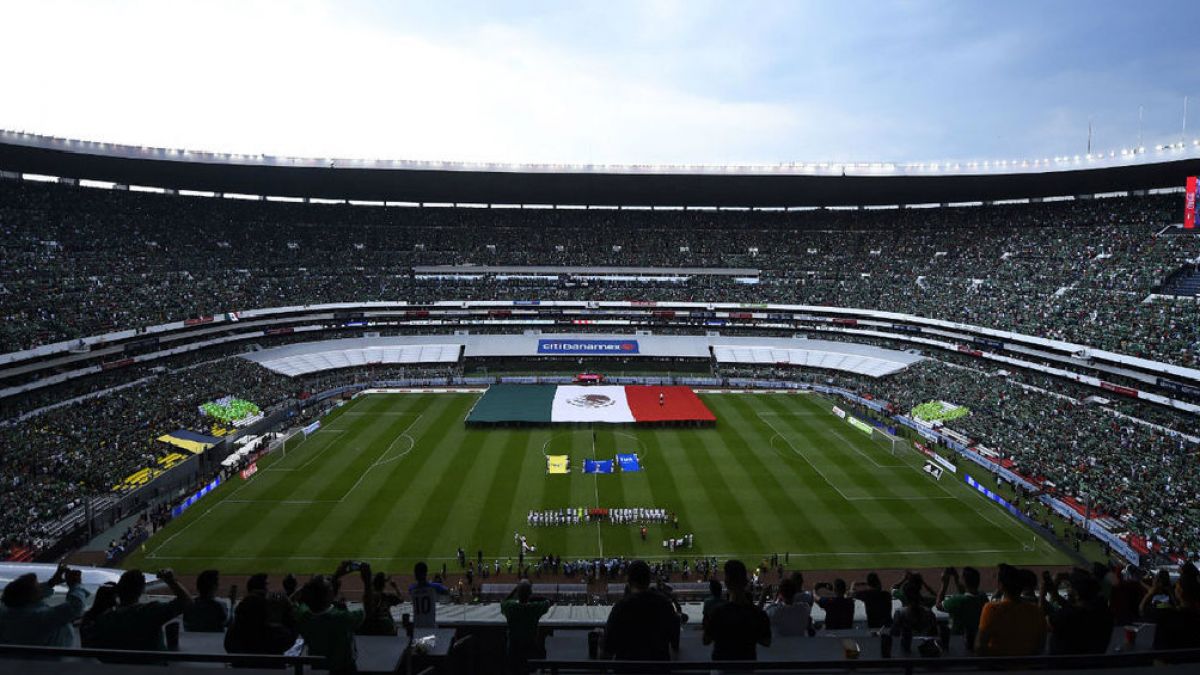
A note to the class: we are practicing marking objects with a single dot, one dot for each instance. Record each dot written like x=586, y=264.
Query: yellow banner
x=558, y=464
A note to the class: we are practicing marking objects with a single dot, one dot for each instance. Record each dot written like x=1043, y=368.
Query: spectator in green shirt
x=965, y=606
x=901, y=590
x=138, y=625
x=327, y=626
x=26, y=619
x=523, y=613
x=207, y=614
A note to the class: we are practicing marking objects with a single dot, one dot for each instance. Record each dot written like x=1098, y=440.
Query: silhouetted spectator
x=261, y=625
x=914, y=618
x=1179, y=627
x=328, y=626
x=735, y=628
x=522, y=612
x=137, y=625
x=839, y=609
x=26, y=619
x=789, y=615
x=642, y=626
x=878, y=602
x=380, y=621
x=257, y=585
x=1010, y=626
x=1080, y=624
x=965, y=606
x=206, y=614
x=715, y=597
x=104, y=602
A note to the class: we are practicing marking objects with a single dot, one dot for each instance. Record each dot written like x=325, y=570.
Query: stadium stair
x=20, y=554
x=1184, y=282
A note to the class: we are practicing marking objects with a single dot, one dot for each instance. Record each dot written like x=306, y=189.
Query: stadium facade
x=824, y=184
x=731, y=340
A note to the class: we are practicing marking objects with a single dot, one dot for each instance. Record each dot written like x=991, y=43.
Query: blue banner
x=183, y=506
x=587, y=347
x=597, y=466
x=996, y=498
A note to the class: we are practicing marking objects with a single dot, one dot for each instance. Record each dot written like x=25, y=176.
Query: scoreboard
x=1189, y=204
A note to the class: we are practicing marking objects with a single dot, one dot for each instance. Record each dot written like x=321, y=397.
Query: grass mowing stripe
x=738, y=488
x=383, y=432
x=381, y=489
x=661, y=468
x=870, y=480
x=498, y=499
x=429, y=459
x=904, y=523
x=728, y=489
x=315, y=523
x=853, y=522
x=635, y=488
x=953, y=525
x=611, y=491
x=440, y=482
x=792, y=514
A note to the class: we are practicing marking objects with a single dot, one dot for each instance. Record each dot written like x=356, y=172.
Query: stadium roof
x=785, y=185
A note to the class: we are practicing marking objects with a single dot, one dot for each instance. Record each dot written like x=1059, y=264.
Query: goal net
x=893, y=444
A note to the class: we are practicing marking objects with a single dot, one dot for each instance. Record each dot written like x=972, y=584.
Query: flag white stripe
x=574, y=403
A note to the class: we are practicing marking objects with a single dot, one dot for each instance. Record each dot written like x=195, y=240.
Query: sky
x=611, y=82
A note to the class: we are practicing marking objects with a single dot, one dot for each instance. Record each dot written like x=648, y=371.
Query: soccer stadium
x=268, y=411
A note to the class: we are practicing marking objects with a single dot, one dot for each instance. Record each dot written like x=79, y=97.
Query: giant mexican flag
x=600, y=404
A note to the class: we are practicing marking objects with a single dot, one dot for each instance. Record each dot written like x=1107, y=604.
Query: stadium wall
x=973, y=341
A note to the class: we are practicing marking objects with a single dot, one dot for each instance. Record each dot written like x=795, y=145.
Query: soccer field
x=396, y=478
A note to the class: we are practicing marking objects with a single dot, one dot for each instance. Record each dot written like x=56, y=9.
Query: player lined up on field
x=581, y=515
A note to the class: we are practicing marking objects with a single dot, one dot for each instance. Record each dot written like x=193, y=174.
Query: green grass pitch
x=395, y=478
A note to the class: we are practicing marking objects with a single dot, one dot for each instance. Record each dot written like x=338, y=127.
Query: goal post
x=883, y=438
x=893, y=443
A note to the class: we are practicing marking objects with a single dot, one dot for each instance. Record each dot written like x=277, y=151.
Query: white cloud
x=248, y=77
x=689, y=81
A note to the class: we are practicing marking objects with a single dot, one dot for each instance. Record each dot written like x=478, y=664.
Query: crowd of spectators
x=1068, y=613
x=77, y=262
x=263, y=622
x=1110, y=464
x=1113, y=465
x=52, y=461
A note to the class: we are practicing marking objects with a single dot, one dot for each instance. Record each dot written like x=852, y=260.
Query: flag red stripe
x=679, y=404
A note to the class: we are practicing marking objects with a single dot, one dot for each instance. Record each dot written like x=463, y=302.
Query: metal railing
x=296, y=663
x=905, y=665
